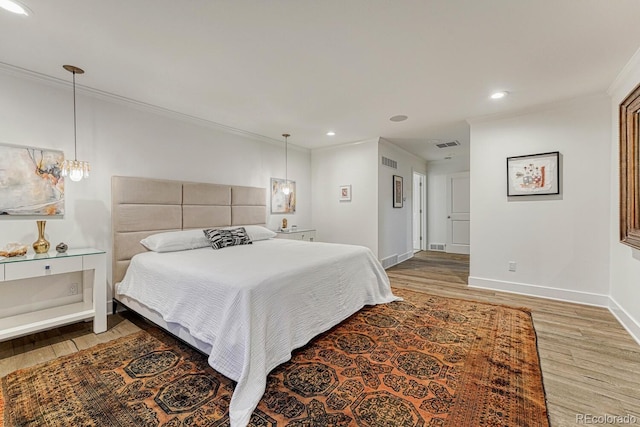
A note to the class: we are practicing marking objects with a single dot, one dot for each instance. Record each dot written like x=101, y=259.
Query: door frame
x=422, y=194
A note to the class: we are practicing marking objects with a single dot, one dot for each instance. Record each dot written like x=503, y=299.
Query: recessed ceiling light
x=331, y=133
x=15, y=7
x=499, y=95
x=399, y=118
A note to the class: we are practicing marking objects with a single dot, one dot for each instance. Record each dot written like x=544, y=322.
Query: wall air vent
x=389, y=261
x=436, y=247
x=448, y=144
x=389, y=163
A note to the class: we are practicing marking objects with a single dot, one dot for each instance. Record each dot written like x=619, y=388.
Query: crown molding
x=393, y=146
x=19, y=72
x=345, y=144
x=536, y=108
x=625, y=74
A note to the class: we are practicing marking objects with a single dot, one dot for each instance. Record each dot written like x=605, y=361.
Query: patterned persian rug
x=425, y=361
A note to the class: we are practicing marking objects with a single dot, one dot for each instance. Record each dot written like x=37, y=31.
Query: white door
x=458, y=207
x=418, y=211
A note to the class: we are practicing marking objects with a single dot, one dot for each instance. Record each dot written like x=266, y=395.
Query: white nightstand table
x=18, y=270
x=308, y=235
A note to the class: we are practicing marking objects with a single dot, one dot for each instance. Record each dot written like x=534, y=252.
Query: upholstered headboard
x=144, y=206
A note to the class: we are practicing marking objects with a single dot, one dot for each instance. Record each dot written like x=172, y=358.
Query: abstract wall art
x=283, y=196
x=30, y=181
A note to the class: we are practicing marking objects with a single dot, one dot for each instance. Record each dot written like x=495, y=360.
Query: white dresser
x=300, y=234
x=91, y=291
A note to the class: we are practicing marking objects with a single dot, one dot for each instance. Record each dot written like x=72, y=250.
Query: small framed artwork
x=397, y=191
x=345, y=193
x=533, y=175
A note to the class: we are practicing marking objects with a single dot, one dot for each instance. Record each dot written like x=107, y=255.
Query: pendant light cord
x=76, y=170
x=75, y=138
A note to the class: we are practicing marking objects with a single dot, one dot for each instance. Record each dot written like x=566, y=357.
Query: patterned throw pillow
x=222, y=238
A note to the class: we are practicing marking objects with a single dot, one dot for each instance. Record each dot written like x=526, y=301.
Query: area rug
x=425, y=361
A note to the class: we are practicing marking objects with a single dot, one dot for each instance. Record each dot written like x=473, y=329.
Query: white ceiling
x=308, y=66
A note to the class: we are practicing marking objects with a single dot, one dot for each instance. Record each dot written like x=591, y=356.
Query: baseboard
x=628, y=322
x=389, y=261
x=395, y=259
x=405, y=256
x=587, y=298
x=119, y=308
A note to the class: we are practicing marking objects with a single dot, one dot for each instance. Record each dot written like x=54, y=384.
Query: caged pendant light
x=74, y=169
x=287, y=188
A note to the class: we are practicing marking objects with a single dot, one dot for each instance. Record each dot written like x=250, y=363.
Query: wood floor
x=590, y=364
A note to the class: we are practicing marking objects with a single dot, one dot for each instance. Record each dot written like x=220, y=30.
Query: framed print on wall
x=282, y=203
x=31, y=181
x=345, y=193
x=397, y=191
x=534, y=174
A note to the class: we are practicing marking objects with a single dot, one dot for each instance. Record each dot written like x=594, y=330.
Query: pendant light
x=74, y=169
x=286, y=190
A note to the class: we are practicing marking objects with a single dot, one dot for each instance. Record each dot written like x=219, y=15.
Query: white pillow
x=171, y=241
x=257, y=232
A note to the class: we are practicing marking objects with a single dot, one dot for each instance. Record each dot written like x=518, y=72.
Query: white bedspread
x=255, y=303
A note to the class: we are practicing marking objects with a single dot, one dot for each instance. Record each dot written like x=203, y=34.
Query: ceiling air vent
x=448, y=144
x=390, y=163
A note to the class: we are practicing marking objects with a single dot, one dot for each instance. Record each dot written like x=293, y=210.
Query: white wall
x=625, y=261
x=395, y=225
x=560, y=243
x=437, y=172
x=354, y=222
x=119, y=138
x=369, y=219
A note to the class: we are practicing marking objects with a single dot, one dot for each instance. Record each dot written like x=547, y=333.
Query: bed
x=246, y=306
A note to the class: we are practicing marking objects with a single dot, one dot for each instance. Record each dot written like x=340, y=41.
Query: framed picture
x=31, y=181
x=345, y=193
x=533, y=175
x=397, y=191
x=283, y=196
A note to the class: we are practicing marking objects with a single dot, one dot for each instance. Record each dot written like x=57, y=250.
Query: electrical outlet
x=73, y=289
x=512, y=266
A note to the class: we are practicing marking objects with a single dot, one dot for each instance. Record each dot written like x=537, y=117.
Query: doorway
x=458, y=213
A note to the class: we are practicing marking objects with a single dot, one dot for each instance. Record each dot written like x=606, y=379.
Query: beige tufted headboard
x=144, y=206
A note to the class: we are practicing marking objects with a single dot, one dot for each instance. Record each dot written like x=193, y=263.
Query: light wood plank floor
x=590, y=364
